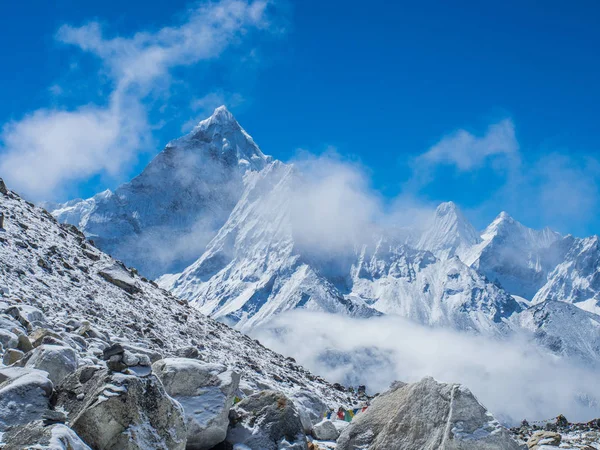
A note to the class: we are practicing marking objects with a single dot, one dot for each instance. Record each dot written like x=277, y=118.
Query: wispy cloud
x=49, y=148
x=466, y=151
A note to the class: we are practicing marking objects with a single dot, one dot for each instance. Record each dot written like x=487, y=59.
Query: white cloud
x=49, y=148
x=467, y=151
x=512, y=378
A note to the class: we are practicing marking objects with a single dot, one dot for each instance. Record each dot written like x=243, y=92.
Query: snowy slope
x=514, y=256
x=253, y=269
x=576, y=279
x=52, y=267
x=564, y=329
x=163, y=218
x=396, y=279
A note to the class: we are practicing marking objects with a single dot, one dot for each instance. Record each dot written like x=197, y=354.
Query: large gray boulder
x=311, y=408
x=113, y=411
x=24, y=396
x=58, y=360
x=39, y=436
x=325, y=431
x=205, y=391
x=426, y=416
x=267, y=420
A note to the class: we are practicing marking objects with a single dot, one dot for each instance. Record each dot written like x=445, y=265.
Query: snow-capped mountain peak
x=162, y=219
x=450, y=232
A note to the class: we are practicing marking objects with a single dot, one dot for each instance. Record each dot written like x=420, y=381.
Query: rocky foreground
x=95, y=356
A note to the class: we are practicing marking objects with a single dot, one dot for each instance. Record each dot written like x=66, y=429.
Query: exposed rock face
x=41, y=437
x=205, y=391
x=426, y=416
x=267, y=420
x=118, y=411
x=58, y=360
x=24, y=396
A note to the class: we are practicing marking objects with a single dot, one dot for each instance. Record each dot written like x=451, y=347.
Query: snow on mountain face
x=449, y=234
x=576, y=279
x=255, y=268
x=163, y=218
x=563, y=329
x=52, y=267
x=516, y=257
x=396, y=279
x=252, y=269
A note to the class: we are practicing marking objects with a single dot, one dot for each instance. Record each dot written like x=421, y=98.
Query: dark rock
x=3, y=189
x=115, y=349
x=51, y=417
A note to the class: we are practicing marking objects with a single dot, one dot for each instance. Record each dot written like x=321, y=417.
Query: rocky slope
x=53, y=268
x=576, y=279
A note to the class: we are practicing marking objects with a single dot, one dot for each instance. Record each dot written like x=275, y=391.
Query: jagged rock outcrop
x=426, y=416
x=267, y=420
x=206, y=392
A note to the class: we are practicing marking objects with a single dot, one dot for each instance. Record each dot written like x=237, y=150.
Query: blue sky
x=492, y=105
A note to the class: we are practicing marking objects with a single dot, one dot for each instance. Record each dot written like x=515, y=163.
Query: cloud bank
x=513, y=379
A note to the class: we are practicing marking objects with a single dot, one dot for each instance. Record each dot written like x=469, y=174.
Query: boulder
x=539, y=438
x=426, y=416
x=310, y=407
x=58, y=360
x=39, y=436
x=206, y=392
x=3, y=189
x=120, y=277
x=325, y=431
x=28, y=316
x=267, y=420
x=8, y=339
x=24, y=396
x=24, y=344
x=11, y=356
x=36, y=338
x=118, y=411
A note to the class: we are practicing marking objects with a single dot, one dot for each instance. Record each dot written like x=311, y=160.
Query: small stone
x=11, y=356
x=115, y=349
x=116, y=364
x=24, y=344
x=51, y=417
x=187, y=352
x=130, y=359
